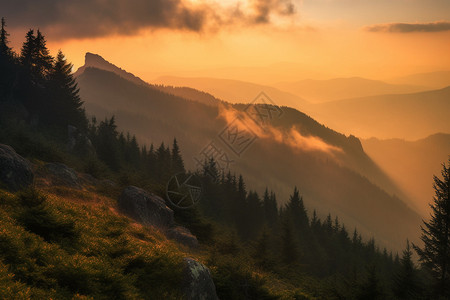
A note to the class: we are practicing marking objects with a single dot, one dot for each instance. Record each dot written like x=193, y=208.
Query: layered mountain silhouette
x=343, y=88
x=412, y=164
x=432, y=80
x=332, y=171
x=235, y=91
x=407, y=116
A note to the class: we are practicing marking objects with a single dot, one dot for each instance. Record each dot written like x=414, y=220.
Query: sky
x=255, y=40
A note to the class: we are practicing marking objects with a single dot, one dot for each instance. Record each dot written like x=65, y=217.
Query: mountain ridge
x=341, y=88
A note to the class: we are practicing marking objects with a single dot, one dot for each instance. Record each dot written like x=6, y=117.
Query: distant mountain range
x=412, y=164
x=235, y=91
x=431, y=80
x=407, y=116
x=331, y=170
x=343, y=88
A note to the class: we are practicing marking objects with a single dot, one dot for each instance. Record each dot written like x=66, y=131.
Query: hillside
x=235, y=91
x=411, y=163
x=343, y=88
x=153, y=115
x=407, y=116
x=432, y=80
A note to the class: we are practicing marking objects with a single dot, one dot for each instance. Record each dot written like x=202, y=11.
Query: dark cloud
x=88, y=18
x=410, y=27
x=92, y=18
x=264, y=8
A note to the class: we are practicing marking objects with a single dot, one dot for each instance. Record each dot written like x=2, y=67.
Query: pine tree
x=5, y=50
x=43, y=59
x=371, y=288
x=28, y=52
x=177, y=160
x=297, y=211
x=435, y=254
x=107, y=145
x=406, y=284
x=7, y=65
x=270, y=207
x=65, y=105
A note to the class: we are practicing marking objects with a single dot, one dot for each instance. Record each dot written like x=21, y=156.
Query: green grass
x=62, y=247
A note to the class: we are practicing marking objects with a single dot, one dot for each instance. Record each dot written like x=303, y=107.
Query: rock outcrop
x=183, y=236
x=15, y=171
x=198, y=283
x=145, y=208
x=63, y=175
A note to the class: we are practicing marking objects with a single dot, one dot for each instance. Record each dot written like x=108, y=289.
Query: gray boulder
x=63, y=175
x=198, y=283
x=145, y=208
x=15, y=171
x=183, y=236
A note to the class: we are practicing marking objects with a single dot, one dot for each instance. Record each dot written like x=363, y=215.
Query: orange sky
x=317, y=39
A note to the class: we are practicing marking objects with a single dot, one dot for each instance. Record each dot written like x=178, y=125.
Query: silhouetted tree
x=177, y=160
x=371, y=288
x=106, y=143
x=64, y=106
x=43, y=60
x=435, y=254
x=5, y=50
x=406, y=283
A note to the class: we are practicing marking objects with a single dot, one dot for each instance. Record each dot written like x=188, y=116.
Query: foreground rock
x=145, y=208
x=183, y=236
x=198, y=283
x=63, y=175
x=15, y=171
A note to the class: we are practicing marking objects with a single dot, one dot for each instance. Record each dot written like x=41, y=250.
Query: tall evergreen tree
x=297, y=211
x=7, y=66
x=371, y=288
x=43, y=59
x=177, y=160
x=406, y=284
x=270, y=207
x=106, y=143
x=28, y=51
x=435, y=254
x=65, y=105
x=5, y=50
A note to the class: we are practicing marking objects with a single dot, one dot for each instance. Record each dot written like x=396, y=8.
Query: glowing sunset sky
x=258, y=40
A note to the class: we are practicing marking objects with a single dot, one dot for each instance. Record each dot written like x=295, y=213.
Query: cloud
x=292, y=137
x=93, y=18
x=264, y=8
x=410, y=27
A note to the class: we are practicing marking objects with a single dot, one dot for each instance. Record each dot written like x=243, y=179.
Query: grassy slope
x=87, y=250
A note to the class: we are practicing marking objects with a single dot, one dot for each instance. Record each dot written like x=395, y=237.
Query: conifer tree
x=28, y=52
x=5, y=50
x=371, y=288
x=7, y=66
x=435, y=254
x=270, y=207
x=406, y=284
x=297, y=211
x=43, y=59
x=65, y=106
x=177, y=160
